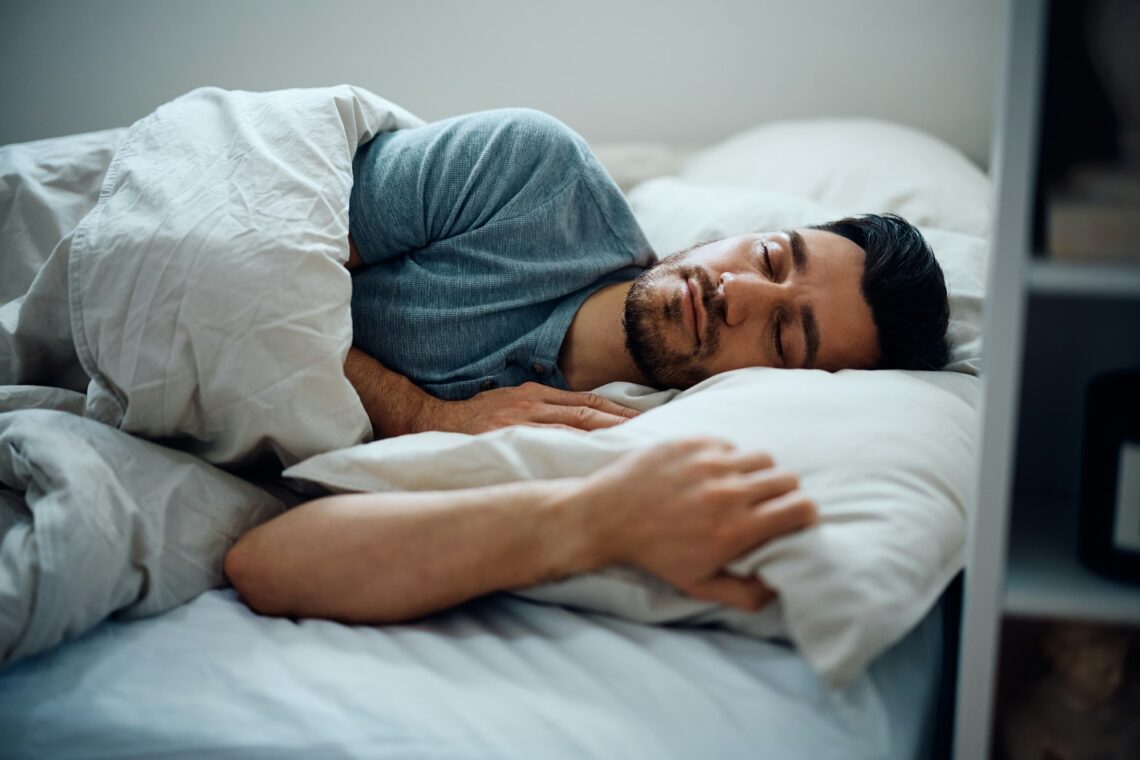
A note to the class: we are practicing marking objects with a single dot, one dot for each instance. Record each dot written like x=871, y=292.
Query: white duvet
x=209, y=301
x=196, y=260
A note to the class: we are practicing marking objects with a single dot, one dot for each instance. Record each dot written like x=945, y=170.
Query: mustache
x=712, y=301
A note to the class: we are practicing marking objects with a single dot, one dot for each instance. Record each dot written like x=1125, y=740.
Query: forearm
x=374, y=558
x=391, y=400
x=396, y=406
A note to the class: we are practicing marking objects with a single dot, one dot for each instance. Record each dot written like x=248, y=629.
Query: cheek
x=660, y=285
x=735, y=351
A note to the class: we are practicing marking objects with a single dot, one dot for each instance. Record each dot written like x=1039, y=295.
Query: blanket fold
x=94, y=521
x=189, y=272
x=208, y=298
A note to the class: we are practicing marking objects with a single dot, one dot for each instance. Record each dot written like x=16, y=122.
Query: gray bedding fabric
x=95, y=522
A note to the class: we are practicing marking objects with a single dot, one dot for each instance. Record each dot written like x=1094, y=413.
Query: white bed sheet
x=499, y=678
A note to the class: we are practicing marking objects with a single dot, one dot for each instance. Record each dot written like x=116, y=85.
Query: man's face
x=779, y=299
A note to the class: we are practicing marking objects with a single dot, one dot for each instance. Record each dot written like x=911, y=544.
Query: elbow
x=250, y=578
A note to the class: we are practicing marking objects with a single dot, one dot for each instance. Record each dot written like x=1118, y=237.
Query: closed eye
x=777, y=339
x=777, y=333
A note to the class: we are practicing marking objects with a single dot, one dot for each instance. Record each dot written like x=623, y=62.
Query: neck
x=593, y=351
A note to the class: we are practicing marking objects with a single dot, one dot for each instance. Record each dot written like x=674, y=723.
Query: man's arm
x=397, y=406
x=393, y=402
x=680, y=511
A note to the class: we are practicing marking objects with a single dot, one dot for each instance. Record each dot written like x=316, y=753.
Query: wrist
x=423, y=415
x=569, y=511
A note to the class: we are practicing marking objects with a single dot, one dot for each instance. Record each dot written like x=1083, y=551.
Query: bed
x=183, y=668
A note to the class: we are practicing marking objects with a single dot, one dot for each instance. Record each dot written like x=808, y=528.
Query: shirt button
x=487, y=385
x=538, y=369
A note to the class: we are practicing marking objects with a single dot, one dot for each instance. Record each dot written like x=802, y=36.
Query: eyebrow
x=799, y=250
x=807, y=314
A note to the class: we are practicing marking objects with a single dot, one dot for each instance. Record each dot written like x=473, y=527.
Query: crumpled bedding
x=208, y=297
x=191, y=268
x=94, y=521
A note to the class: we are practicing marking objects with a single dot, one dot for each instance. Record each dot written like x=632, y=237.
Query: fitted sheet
x=497, y=678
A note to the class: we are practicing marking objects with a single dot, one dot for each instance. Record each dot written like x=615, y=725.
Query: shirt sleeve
x=414, y=187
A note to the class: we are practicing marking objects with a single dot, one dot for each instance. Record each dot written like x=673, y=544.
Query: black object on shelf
x=1109, y=532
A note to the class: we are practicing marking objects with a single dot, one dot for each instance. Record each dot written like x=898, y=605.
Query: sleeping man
x=499, y=275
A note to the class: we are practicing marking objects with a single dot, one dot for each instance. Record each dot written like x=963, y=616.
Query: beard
x=651, y=316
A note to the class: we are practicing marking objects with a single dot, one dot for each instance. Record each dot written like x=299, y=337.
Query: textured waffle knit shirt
x=481, y=236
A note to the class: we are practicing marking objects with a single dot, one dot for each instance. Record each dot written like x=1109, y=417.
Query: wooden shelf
x=1047, y=276
x=1044, y=577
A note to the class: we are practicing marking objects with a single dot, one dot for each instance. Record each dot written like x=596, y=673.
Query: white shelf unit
x=1084, y=279
x=1050, y=327
x=1044, y=577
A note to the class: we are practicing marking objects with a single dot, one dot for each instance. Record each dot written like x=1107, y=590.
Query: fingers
x=762, y=485
x=554, y=425
x=717, y=456
x=589, y=400
x=681, y=446
x=580, y=417
x=748, y=594
x=773, y=518
x=750, y=462
x=582, y=411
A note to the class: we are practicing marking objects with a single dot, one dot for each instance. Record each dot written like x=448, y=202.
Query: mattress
x=498, y=678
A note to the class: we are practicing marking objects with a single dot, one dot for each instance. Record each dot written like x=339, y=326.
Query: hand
x=528, y=404
x=685, y=509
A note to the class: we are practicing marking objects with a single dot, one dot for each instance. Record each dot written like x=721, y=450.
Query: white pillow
x=855, y=166
x=676, y=213
x=888, y=457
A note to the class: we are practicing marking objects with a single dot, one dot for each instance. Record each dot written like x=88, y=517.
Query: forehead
x=829, y=245
x=831, y=283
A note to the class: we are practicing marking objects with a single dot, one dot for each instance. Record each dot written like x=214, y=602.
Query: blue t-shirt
x=481, y=236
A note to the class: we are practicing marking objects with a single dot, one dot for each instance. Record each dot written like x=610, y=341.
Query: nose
x=747, y=295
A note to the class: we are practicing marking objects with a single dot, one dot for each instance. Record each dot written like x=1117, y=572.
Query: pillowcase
x=855, y=166
x=676, y=213
x=888, y=457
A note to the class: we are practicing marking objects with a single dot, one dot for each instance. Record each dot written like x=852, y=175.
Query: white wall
x=681, y=72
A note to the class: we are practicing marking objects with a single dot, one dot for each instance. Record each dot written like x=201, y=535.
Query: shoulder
x=519, y=156
x=526, y=125
x=516, y=138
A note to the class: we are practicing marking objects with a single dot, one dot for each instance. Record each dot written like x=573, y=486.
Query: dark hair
x=904, y=287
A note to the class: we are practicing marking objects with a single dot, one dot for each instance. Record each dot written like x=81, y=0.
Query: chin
x=653, y=329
